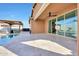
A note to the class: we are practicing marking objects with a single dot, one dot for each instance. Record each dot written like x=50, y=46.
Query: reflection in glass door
x=60, y=25
x=53, y=26
x=65, y=25
x=71, y=24
x=49, y=29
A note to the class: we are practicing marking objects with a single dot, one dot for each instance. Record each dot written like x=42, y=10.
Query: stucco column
x=78, y=30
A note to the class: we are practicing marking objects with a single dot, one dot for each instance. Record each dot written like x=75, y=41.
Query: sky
x=16, y=11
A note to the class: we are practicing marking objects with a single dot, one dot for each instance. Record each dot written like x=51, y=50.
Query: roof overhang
x=58, y=9
x=43, y=7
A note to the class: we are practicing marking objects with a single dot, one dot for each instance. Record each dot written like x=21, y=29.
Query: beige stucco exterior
x=78, y=30
x=40, y=18
x=41, y=26
x=39, y=22
x=37, y=26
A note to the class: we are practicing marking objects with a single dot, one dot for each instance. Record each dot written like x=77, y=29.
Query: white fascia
x=43, y=7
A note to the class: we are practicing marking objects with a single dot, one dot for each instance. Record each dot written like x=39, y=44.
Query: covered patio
x=10, y=24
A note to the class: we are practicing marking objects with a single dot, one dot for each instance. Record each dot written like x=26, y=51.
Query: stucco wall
x=37, y=26
x=41, y=24
x=46, y=26
x=78, y=31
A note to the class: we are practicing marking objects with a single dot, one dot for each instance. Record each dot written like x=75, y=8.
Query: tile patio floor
x=26, y=44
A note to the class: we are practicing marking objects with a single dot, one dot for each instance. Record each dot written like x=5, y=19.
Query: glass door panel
x=71, y=24
x=60, y=25
x=49, y=28
x=53, y=26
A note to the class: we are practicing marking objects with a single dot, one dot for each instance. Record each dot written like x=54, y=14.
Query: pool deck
x=26, y=44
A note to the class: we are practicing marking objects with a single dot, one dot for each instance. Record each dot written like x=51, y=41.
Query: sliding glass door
x=50, y=27
x=71, y=24
x=60, y=25
x=53, y=26
x=65, y=24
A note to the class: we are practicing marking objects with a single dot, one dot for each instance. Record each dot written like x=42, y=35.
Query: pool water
x=6, y=39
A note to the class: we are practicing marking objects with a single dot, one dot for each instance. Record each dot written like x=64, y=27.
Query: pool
x=6, y=39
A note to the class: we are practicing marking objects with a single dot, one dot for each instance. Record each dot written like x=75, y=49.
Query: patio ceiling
x=57, y=8
x=10, y=22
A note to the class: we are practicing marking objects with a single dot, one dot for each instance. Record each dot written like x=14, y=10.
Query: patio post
x=10, y=27
x=19, y=28
x=78, y=30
